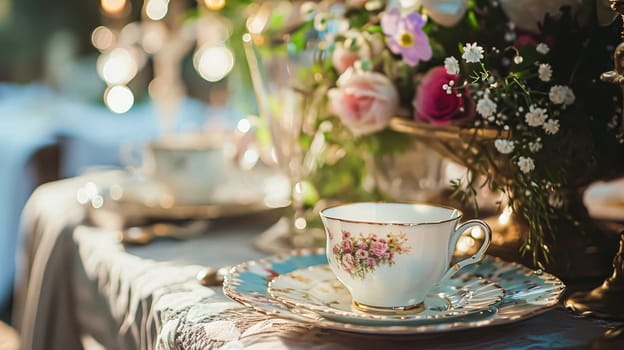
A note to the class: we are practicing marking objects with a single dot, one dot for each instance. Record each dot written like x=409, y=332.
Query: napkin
x=605, y=200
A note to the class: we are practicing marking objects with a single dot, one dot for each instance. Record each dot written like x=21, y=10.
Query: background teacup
x=189, y=166
x=390, y=255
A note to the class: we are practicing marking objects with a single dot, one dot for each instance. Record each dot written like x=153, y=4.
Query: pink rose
x=364, y=101
x=371, y=262
x=433, y=104
x=344, y=58
x=361, y=254
x=348, y=262
x=347, y=248
x=379, y=248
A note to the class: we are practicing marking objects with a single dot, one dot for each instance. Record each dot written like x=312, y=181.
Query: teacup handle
x=476, y=257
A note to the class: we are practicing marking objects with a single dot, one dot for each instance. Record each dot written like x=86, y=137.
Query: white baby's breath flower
x=542, y=48
x=536, y=116
x=473, y=53
x=555, y=200
x=526, y=164
x=452, y=65
x=544, y=72
x=561, y=95
x=504, y=146
x=536, y=146
x=486, y=107
x=518, y=59
x=551, y=126
x=320, y=21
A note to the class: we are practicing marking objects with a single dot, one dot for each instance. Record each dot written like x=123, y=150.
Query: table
x=34, y=116
x=80, y=284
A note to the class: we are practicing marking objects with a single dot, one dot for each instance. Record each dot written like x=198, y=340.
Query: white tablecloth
x=81, y=281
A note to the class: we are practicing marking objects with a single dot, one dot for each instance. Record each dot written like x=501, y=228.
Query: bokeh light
x=119, y=99
x=213, y=63
x=102, y=38
x=117, y=67
x=156, y=9
x=113, y=6
x=214, y=4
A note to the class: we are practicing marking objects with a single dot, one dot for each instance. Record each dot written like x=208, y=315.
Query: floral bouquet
x=508, y=88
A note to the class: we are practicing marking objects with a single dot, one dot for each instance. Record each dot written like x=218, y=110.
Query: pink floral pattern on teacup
x=361, y=255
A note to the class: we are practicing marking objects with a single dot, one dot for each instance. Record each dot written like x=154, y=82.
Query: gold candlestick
x=607, y=300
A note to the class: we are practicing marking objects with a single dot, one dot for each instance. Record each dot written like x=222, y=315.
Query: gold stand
x=606, y=301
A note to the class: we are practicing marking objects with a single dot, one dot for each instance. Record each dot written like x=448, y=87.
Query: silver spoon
x=140, y=235
x=212, y=276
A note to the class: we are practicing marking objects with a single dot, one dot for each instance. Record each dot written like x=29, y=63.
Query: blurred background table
x=81, y=287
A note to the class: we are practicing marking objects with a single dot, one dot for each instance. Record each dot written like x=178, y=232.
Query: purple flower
x=405, y=36
x=347, y=248
x=348, y=262
x=372, y=262
x=379, y=248
x=361, y=254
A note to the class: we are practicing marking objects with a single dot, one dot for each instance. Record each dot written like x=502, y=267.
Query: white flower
x=536, y=146
x=555, y=200
x=518, y=59
x=536, y=116
x=504, y=146
x=551, y=127
x=561, y=95
x=544, y=72
x=542, y=48
x=526, y=164
x=473, y=53
x=452, y=65
x=486, y=107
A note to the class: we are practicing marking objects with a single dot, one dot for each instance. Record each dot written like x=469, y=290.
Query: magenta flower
x=345, y=234
x=361, y=254
x=330, y=234
x=405, y=36
x=372, y=262
x=379, y=248
x=336, y=250
x=362, y=245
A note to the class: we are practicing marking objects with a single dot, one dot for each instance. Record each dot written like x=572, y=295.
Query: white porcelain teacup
x=390, y=255
x=189, y=166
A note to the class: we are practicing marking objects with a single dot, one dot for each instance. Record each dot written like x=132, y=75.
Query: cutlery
x=141, y=235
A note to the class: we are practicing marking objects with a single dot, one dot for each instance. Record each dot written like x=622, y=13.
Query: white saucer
x=316, y=289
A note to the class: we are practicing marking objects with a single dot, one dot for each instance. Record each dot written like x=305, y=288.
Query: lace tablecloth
x=80, y=282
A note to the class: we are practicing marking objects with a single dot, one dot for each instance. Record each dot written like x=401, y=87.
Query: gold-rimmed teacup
x=390, y=255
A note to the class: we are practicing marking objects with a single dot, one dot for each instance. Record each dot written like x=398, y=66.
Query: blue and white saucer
x=316, y=289
x=527, y=293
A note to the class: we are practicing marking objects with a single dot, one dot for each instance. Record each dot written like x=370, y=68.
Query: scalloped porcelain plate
x=527, y=293
x=317, y=289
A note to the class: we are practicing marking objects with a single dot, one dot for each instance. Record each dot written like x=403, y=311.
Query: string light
x=117, y=67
